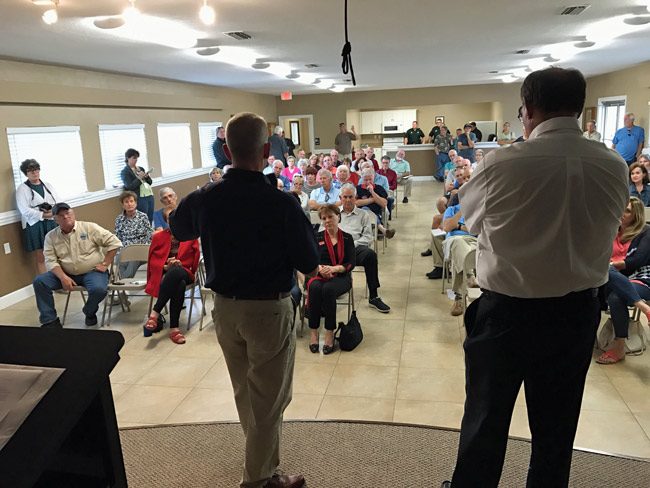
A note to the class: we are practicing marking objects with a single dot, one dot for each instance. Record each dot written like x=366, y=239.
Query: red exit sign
x=286, y=95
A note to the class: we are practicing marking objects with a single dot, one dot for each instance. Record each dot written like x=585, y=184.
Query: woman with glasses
x=35, y=200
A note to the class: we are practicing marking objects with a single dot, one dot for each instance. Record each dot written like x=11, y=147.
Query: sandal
x=176, y=336
x=153, y=325
x=608, y=357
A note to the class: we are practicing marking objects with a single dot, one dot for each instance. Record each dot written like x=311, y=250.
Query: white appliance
x=390, y=145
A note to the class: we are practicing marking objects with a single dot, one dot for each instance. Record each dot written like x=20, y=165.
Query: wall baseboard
x=16, y=296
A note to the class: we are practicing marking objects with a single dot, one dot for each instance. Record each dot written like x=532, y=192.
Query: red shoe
x=609, y=357
x=176, y=336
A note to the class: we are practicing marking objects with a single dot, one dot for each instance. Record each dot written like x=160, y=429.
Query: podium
x=70, y=439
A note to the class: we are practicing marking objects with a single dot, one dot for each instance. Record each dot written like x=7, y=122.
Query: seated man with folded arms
x=374, y=198
x=76, y=253
x=358, y=223
x=278, y=166
x=325, y=195
x=403, y=169
x=169, y=199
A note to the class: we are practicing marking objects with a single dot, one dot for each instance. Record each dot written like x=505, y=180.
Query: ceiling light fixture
x=259, y=65
x=208, y=51
x=338, y=88
x=293, y=75
x=584, y=44
x=639, y=20
x=50, y=16
x=44, y=3
x=207, y=13
x=131, y=12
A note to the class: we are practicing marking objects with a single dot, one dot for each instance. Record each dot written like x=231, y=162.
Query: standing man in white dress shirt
x=546, y=213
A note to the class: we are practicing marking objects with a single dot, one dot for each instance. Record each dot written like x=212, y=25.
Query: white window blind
x=175, y=143
x=57, y=149
x=610, y=118
x=114, y=141
x=207, y=136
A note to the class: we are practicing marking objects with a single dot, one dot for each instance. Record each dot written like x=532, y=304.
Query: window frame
x=206, y=148
x=141, y=148
x=162, y=125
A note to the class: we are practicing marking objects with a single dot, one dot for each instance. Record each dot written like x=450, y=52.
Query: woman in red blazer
x=170, y=268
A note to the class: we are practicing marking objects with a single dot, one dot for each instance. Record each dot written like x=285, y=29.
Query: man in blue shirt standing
x=628, y=140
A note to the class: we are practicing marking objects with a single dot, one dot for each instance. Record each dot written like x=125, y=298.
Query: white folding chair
x=205, y=291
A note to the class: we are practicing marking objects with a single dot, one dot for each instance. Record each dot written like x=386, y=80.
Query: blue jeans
x=441, y=160
x=145, y=204
x=96, y=284
x=623, y=294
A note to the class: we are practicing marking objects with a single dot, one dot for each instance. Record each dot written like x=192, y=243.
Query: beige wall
x=36, y=95
x=492, y=102
x=633, y=82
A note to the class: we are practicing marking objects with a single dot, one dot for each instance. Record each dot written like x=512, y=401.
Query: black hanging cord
x=346, y=65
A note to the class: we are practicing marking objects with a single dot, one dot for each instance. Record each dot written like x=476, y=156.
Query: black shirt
x=253, y=236
x=364, y=193
x=414, y=136
x=434, y=132
x=349, y=253
x=478, y=134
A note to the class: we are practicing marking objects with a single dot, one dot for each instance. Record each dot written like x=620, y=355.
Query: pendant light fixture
x=207, y=13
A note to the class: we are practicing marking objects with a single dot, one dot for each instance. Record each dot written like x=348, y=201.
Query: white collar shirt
x=546, y=212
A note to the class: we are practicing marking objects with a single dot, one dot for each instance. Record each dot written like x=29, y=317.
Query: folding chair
x=203, y=290
x=81, y=290
x=119, y=285
x=341, y=300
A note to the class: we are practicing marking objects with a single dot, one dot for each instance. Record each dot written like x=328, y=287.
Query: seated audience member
x=334, y=278
x=131, y=227
x=291, y=169
x=327, y=164
x=169, y=199
x=454, y=139
x=279, y=184
x=269, y=166
x=301, y=154
x=629, y=276
x=645, y=161
x=506, y=136
x=479, y=157
x=451, y=164
x=334, y=155
x=297, y=189
x=359, y=157
x=358, y=223
x=76, y=253
x=35, y=200
x=216, y=174
x=302, y=166
x=313, y=162
x=640, y=183
x=311, y=180
x=374, y=198
x=370, y=156
x=320, y=159
x=403, y=169
x=278, y=166
x=388, y=173
x=379, y=179
x=344, y=176
x=326, y=194
x=443, y=147
x=170, y=269
x=591, y=132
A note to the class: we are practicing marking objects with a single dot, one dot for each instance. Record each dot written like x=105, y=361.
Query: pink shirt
x=619, y=249
x=288, y=172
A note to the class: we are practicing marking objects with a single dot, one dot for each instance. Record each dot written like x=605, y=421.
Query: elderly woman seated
x=297, y=188
x=337, y=257
x=171, y=268
x=216, y=174
x=131, y=227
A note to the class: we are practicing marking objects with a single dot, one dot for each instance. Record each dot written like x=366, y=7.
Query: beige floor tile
x=130, y=369
x=519, y=423
x=357, y=408
x=439, y=414
x=367, y=315
x=118, y=389
x=199, y=344
x=149, y=404
x=384, y=330
x=432, y=331
x=432, y=355
x=128, y=425
x=435, y=385
x=363, y=381
x=601, y=395
x=204, y=405
x=633, y=367
x=635, y=392
x=312, y=378
x=616, y=434
x=158, y=344
x=217, y=377
x=644, y=420
x=177, y=372
x=374, y=352
x=303, y=406
x=14, y=316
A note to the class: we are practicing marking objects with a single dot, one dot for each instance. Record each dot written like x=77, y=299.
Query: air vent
x=311, y=65
x=238, y=35
x=493, y=72
x=574, y=10
x=522, y=51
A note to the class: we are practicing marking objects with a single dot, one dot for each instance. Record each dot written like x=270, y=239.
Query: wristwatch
x=460, y=226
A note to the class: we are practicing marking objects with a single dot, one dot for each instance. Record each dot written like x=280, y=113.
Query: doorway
x=300, y=129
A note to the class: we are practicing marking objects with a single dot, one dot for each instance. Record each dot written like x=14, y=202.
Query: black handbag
x=349, y=335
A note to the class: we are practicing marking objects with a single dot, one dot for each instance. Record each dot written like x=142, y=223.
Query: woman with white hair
x=216, y=174
x=297, y=187
x=279, y=148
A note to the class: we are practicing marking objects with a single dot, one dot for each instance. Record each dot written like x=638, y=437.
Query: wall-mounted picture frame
x=440, y=118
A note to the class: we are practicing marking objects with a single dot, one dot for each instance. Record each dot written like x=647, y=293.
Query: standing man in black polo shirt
x=251, y=253
x=414, y=135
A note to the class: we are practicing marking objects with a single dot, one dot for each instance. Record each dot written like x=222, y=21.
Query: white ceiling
x=395, y=44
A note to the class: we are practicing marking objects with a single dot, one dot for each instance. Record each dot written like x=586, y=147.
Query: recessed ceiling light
x=311, y=65
x=208, y=51
x=551, y=59
x=207, y=13
x=293, y=75
x=338, y=88
x=493, y=72
x=639, y=20
x=522, y=51
x=109, y=22
x=44, y=3
x=584, y=44
x=260, y=65
x=50, y=16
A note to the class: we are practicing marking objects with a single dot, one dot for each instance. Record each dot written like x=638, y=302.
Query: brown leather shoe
x=286, y=481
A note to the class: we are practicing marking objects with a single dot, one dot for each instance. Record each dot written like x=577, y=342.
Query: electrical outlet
x=7, y=248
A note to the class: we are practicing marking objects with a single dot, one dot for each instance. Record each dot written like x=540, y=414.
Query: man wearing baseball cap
x=76, y=254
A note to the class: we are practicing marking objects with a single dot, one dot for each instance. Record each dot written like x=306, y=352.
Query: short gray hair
x=340, y=168
x=349, y=186
x=165, y=189
x=367, y=171
x=322, y=172
x=278, y=129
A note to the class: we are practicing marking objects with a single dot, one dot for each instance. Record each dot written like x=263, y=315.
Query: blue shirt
x=382, y=181
x=466, y=153
x=158, y=220
x=627, y=141
x=449, y=213
x=322, y=196
x=644, y=196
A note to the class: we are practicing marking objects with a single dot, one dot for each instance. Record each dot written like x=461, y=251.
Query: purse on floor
x=635, y=344
x=349, y=335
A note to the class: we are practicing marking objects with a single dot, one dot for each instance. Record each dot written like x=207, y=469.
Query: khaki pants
x=460, y=248
x=407, y=183
x=259, y=346
x=436, y=251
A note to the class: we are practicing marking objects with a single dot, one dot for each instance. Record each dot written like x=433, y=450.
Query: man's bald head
x=246, y=135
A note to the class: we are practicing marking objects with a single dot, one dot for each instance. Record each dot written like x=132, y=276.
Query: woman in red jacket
x=171, y=267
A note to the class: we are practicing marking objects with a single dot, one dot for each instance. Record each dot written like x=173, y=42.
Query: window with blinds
x=57, y=149
x=610, y=118
x=175, y=143
x=114, y=140
x=207, y=136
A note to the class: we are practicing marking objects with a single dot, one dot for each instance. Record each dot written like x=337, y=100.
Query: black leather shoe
x=328, y=349
x=285, y=481
x=55, y=324
x=313, y=348
x=405, y=200
x=446, y=484
x=435, y=274
x=91, y=320
x=426, y=253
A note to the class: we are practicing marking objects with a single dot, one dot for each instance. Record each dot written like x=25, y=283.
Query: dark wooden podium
x=70, y=439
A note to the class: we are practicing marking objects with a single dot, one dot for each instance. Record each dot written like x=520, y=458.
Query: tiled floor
x=409, y=367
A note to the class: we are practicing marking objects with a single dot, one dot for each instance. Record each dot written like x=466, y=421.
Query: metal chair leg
x=65, y=310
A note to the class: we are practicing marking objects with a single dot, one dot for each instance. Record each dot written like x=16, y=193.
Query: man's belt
x=262, y=296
